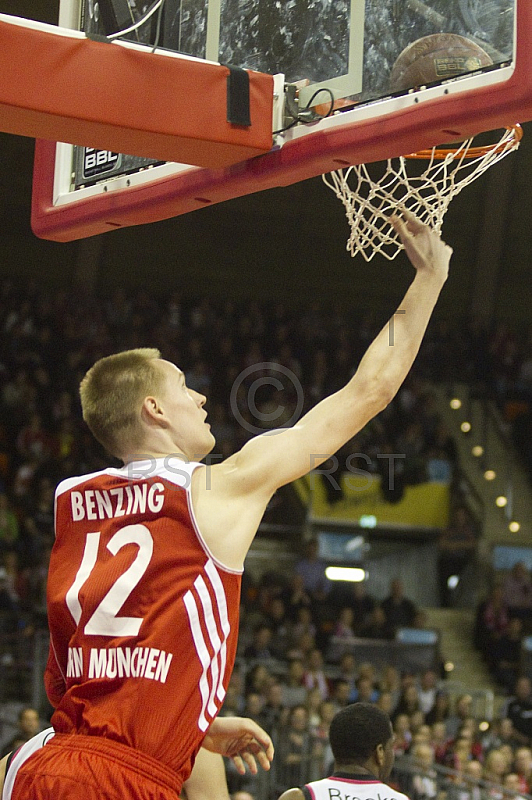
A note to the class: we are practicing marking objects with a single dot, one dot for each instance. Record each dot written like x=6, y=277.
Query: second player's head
x=361, y=735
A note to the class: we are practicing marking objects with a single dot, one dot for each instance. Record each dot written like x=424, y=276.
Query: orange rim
x=440, y=153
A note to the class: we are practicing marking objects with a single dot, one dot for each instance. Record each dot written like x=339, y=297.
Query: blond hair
x=112, y=393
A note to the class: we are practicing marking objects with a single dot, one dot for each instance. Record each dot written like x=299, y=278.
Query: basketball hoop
x=369, y=200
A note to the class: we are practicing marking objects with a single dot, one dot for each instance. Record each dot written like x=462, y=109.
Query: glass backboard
x=348, y=49
x=344, y=47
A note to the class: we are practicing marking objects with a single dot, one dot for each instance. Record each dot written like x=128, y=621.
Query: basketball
x=435, y=58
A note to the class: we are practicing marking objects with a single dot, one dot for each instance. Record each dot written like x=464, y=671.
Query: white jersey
x=20, y=756
x=350, y=786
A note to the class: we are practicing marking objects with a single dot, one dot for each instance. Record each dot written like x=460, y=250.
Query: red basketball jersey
x=143, y=618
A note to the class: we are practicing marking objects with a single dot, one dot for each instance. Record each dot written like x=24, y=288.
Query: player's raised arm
x=274, y=459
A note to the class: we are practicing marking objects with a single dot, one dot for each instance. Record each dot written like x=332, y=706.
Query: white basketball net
x=369, y=201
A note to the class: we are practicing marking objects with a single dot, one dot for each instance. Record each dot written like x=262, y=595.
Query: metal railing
x=420, y=783
x=483, y=706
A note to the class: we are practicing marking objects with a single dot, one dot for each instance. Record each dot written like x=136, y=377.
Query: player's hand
x=423, y=245
x=242, y=740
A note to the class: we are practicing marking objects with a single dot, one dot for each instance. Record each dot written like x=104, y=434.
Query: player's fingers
x=239, y=764
x=251, y=763
x=268, y=750
x=414, y=223
x=399, y=226
x=261, y=736
x=263, y=760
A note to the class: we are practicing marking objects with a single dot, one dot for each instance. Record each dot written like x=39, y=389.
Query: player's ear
x=380, y=754
x=152, y=412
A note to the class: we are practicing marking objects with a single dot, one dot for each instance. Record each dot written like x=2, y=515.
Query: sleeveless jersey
x=349, y=786
x=143, y=618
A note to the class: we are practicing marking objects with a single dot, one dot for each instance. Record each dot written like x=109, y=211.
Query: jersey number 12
x=105, y=620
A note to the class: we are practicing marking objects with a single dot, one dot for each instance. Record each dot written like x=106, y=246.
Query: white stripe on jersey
x=213, y=665
x=22, y=755
x=216, y=644
x=201, y=650
x=217, y=585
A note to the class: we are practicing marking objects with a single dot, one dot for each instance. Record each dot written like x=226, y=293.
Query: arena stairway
x=469, y=674
x=511, y=479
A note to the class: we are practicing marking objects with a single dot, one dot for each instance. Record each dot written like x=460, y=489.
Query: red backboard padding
x=398, y=132
x=118, y=98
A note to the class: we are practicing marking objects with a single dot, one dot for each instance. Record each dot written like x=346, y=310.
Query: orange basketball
x=435, y=58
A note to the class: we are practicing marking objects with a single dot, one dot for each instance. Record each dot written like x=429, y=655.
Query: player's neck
x=151, y=453
x=157, y=444
x=356, y=769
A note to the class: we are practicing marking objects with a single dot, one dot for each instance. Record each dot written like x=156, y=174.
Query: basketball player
x=361, y=739
x=207, y=781
x=11, y=763
x=145, y=573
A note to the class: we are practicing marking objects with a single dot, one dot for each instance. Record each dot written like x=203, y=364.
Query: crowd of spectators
x=47, y=342
x=504, y=618
x=510, y=358
x=49, y=339
x=308, y=615
x=442, y=749
x=509, y=379
x=291, y=680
